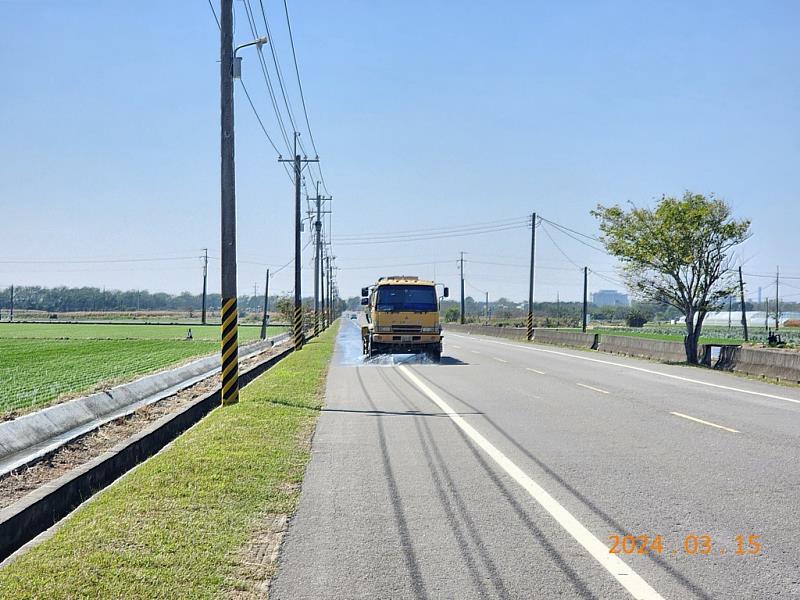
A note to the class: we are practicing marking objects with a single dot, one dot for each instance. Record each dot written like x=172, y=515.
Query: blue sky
x=425, y=114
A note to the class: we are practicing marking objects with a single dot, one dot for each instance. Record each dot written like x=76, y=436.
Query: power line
x=265, y=72
x=45, y=261
x=429, y=237
x=275, y=62
x=432, y=231
x=590, y=237
x=547, y=233
x=302, y=95
x=566, y=231
x=250, y=100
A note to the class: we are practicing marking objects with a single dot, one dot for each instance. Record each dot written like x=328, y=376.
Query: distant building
x=610, y=298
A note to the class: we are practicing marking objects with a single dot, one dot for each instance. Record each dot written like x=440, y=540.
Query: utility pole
x=777, y=298
x=529, y=321
x=318, y=275
x=330, y=291
x=558, y=308
x=730, y=310
x=11, y=308
x=205, y=284
x=266, y=308
x=230, y=312
x=318, y=250
x=324, y=304
x=766, y=317
x=487, y=308
x=744, y=311
x=297, y=321
x=461, y=268
x=585, y=303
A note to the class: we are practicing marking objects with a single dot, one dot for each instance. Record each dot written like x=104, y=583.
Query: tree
x=678, y=253
x=451, y=314
x=285, y=307
x=635, y=318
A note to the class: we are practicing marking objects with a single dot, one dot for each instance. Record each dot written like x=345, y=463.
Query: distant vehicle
x=402, y=317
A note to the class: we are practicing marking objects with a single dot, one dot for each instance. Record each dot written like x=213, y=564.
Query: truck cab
x=402, y=317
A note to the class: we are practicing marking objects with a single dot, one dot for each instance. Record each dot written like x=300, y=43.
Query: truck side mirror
x=446, y=292
x=364, y=292
x=364, y=301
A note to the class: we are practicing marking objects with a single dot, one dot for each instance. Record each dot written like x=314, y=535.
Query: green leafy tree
x=451, y=314
x=285, y=307
x=679, y=253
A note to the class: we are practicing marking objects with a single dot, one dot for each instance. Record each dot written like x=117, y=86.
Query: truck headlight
x=383, y=329
x=430, y=330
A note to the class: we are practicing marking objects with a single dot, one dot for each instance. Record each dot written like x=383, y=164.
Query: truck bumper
x=406, y=344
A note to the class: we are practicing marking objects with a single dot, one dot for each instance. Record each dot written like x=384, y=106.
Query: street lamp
x=237, y=60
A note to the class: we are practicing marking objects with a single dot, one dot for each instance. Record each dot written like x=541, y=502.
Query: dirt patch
x=22, y=481
x=257, y=560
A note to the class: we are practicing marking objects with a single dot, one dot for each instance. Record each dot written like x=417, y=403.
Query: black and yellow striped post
x=529, y=322
x=298, y=335
x=230, y=352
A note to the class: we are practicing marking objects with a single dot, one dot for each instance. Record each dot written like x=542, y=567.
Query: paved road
x=502, y=472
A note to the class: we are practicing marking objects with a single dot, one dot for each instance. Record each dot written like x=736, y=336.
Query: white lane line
x=625, y=575
x=456, y=347
x=589, y=387
x=643, y=370
x=474, y=351
x=677, y=414
x=499, y=359
x=535, y=371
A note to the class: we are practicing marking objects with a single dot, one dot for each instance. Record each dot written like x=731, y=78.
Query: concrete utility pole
x=318, y=251
x=319, y=319
x=777, y=299
x=766, y=317
x=487, y=308
x=529, y=321
x=558, y=308
x=323, y=303
x=461, y=269
x=730, y=310
x=266, y=308
x=205, y=284
x=298, y=334
x=230, y=318
x=585, y=303
x=328, y=276
x=11, y=308
x=744, y=310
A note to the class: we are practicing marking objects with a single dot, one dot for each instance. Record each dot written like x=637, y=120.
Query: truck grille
x=406, y=328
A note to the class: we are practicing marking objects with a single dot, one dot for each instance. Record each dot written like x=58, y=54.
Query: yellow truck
x=402, y=314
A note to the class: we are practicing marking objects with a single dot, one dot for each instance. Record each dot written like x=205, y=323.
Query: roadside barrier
x=547, y=336
x=641, y=347
x=779, y=364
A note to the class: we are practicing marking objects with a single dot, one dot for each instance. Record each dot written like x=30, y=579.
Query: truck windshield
x=395, y=298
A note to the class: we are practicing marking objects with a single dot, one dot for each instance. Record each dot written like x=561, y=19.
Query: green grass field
x=173, y=527
x=42, y=363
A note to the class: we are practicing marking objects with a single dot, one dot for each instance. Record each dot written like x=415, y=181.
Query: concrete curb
x=644, y=348
x=34, y=435
x=778, y=364
x=39, y=510
x=547, y=336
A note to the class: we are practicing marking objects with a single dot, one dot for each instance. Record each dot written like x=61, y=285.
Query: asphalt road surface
x=503, y=472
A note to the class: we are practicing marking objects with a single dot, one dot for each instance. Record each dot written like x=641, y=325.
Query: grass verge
x=172, y=527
